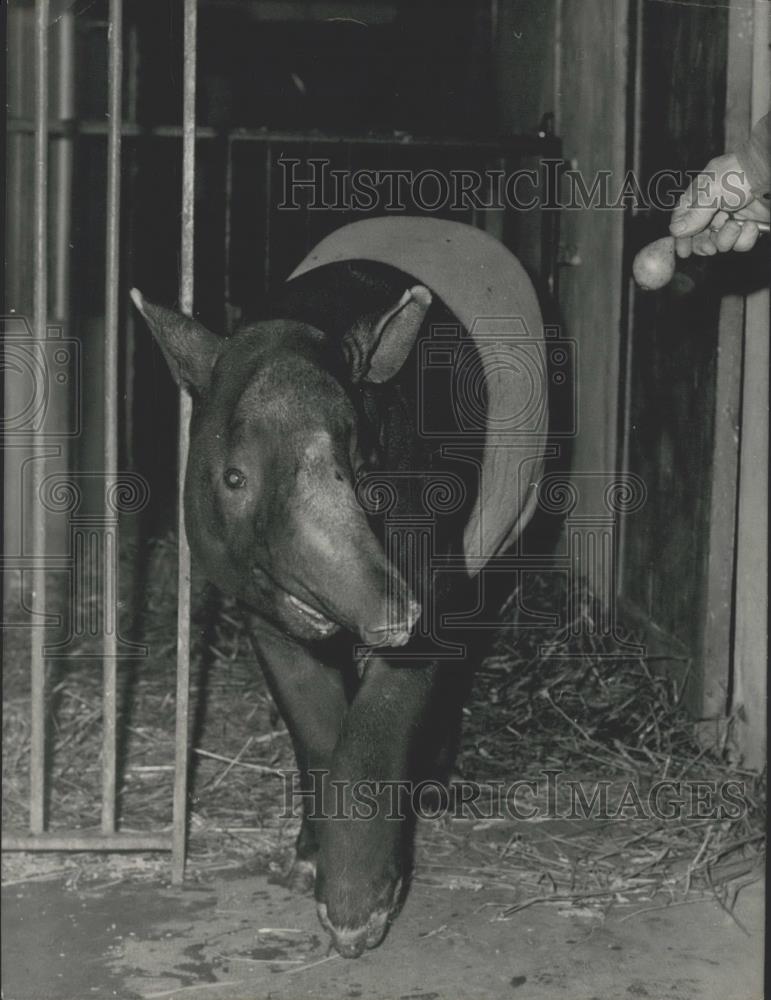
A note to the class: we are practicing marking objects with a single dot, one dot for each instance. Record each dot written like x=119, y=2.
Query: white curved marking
x=486, y=287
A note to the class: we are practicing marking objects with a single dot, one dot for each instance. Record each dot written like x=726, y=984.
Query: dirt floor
x=240, y=935
x=592, y=908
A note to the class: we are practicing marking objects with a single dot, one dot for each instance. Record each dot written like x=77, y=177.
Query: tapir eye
x=234, y=479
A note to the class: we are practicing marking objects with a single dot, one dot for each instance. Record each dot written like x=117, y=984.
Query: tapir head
x=276, y=446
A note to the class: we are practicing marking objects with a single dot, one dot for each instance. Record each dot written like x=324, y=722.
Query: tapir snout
x=334, y=565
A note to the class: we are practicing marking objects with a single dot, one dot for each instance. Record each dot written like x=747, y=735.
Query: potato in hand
x=654, y=265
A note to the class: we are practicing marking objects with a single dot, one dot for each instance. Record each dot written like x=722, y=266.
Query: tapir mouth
x=318, y=622
x=315, y=622
x=320, y=625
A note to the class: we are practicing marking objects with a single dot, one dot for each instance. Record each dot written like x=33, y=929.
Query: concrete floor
x=241, y=936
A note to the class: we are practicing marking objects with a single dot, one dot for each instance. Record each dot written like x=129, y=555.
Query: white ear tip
x=421, y=294
x=136, y=298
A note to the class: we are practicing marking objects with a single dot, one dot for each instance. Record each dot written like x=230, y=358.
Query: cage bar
x=62, y=156
x=108, y=838
x=37, y=513
x=268, y=200
x=84, y=841
x=112, y=266
x=185, y=408
x=525, y=143
x=228, y=233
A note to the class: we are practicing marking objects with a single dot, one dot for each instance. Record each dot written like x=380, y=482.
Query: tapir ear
x=189, y=348
x=377, y=346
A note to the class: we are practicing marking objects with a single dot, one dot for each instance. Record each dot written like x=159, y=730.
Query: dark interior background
x=421, y=68
x=468, y=69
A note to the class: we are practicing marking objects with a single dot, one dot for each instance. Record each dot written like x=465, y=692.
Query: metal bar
x=523, y=144
x=228, y=232
x=268, y=199
x=112, y=265
x=519, y=143
x=185, y=408
x=62, y=154
x=38, y=522
x=131, y=61
x=87, y=842
x=626, y=359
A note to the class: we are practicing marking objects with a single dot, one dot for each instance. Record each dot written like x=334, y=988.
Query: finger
x=696, y=206
x=683, y=246
x=703, y=244
x=725, y=238
x=721, y=184
x=747, y=237
x=687, y=219
x=719, y=220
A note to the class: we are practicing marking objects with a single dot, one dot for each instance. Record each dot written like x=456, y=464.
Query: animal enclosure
x=199, y=151
x=253, y=201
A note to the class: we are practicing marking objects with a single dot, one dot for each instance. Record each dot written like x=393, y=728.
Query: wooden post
x=712, y=701
x=734, y=646
x=592, y=122
x=721, y=582
x=751, y=633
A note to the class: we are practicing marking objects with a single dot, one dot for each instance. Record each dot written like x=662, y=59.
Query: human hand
x=718, y=212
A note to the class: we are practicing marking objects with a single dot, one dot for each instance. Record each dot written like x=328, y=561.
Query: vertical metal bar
x=131, y=75
x=15, y=240
x=228, y=232
x=634, y=113
x=112, y=265
x=557, y=68
x=268, y=200
x=62, y=154
x=38, y=520
x=185, y=408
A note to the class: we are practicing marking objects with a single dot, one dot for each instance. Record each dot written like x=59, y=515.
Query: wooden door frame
x=749, y=28
x=592, y=117
x=730, y=666
x=735, y=644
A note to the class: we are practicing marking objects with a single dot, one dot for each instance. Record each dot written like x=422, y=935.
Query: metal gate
x=32, y=563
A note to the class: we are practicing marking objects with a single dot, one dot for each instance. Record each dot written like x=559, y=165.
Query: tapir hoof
x=350, y=942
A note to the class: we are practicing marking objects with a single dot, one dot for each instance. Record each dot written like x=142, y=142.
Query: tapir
x=355, y=462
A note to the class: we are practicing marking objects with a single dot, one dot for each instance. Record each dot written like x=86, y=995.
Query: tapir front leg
x=311, y=699
x=362, y=858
